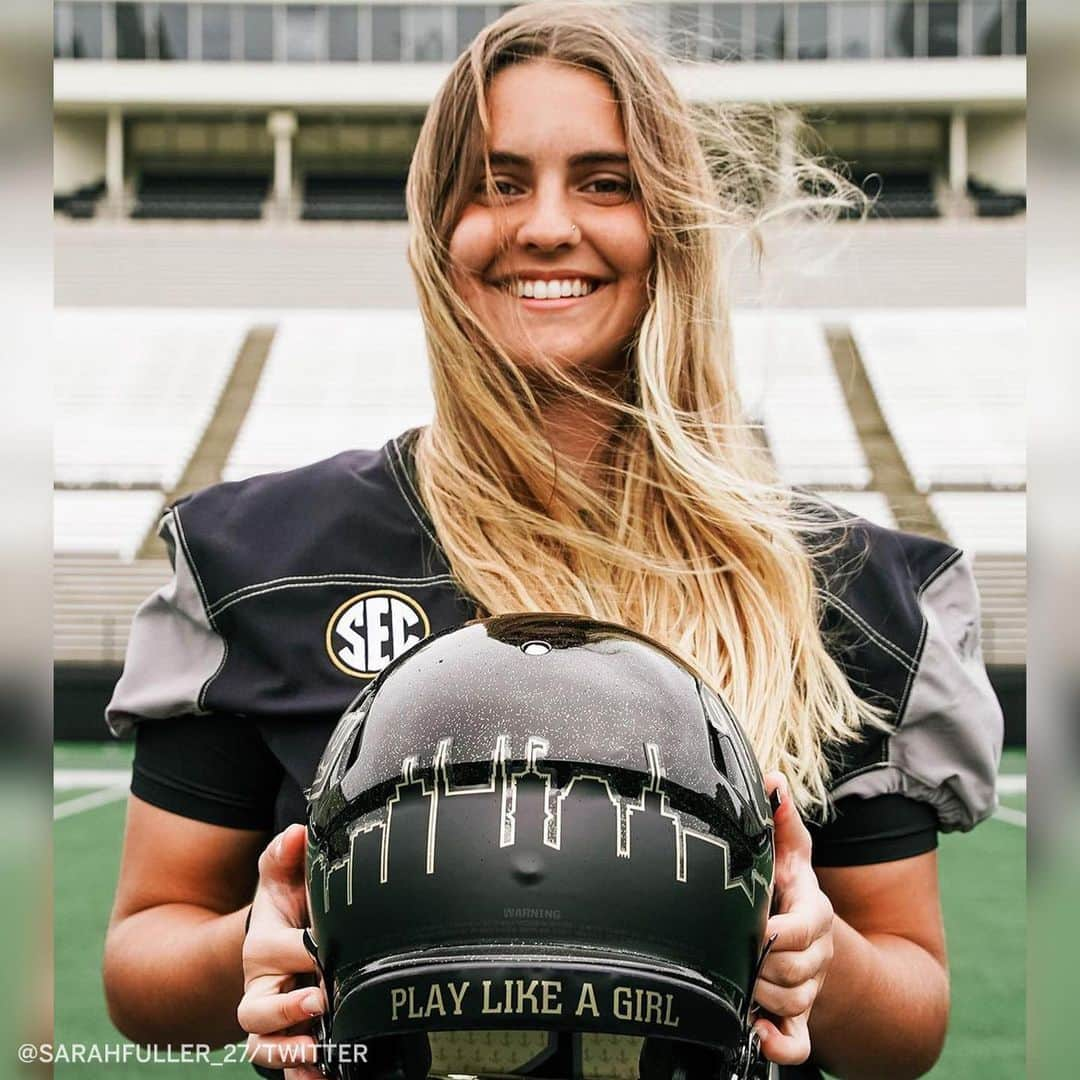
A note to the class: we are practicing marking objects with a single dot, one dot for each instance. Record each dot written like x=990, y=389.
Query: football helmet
x=539, y=845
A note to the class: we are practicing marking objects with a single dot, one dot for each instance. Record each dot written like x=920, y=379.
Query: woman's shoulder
x=900, y=614
x=875, y=579
x=357, y=507
x=329, y=488
x=262, y=569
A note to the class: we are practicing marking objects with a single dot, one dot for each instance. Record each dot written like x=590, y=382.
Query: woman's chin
x=571, y=361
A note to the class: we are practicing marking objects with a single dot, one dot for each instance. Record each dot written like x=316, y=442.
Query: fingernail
x=775, y=799
x=312, y=1004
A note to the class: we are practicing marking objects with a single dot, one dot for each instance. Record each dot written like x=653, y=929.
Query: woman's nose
x=547, y=222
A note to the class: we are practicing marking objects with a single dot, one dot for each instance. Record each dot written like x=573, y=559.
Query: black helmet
x=539, y=846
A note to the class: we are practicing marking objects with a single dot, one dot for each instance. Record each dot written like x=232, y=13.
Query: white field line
x=66, y=779
x=1011, y=816
x=1012, y=784
x=89, y=802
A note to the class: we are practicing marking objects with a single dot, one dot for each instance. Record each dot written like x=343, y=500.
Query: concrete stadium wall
x=971, y=82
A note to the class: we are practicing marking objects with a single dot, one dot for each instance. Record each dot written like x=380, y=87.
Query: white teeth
x=550, y=290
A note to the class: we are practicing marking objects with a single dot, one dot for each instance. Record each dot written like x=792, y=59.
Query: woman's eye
x=497, y=188
x=611, y=185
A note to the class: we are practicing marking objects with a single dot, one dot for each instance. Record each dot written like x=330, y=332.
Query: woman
x=588, y=455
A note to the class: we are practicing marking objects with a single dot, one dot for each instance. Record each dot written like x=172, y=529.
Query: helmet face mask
x=509, y=1055
x=538, y=845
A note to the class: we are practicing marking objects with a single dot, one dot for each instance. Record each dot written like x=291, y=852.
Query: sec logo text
x=373, y=628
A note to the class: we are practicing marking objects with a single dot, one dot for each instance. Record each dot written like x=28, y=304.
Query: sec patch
x=373, y=628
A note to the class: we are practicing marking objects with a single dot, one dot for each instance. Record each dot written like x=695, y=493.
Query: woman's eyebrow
x=590, y=157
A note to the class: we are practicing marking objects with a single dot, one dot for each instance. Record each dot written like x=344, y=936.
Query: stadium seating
x=103, y=522
x=898, y=194
x=982, y=522
x=353, y=198
x=134, y=391
x=201, y=196
x=372, y=383
x=991, y=527
x=991, y=202
x=787, y=380
x=94, y=600
x=334, y=381
x=951, y=386
x=81, y=203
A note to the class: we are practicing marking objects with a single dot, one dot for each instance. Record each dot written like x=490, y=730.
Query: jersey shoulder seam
x=186, y=550
x=953, y=557
x=886, y=644
x=308, y=581
x=408, y=492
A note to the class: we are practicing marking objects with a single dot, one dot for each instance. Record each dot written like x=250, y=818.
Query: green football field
x=983, y=885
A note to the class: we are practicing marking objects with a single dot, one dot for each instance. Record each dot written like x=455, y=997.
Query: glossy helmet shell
x=539, y=824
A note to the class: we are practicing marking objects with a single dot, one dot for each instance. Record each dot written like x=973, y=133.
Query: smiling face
x=555, y=261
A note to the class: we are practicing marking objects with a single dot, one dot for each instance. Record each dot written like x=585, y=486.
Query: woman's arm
x=172, y=967
x=883, y=1010
x=857, y=976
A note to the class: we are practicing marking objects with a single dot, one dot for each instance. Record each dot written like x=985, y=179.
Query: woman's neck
x=579, y=428
x=579, y=431
x=575, y=433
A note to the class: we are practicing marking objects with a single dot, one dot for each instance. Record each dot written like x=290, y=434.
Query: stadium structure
x=229, y=194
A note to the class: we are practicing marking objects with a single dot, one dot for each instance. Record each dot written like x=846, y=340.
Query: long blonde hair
x=689, y=536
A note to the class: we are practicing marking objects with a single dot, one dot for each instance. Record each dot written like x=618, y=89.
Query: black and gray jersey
x=292, y=590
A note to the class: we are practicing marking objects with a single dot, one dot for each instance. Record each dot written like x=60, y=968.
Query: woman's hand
x=795, y=968
x=279, y=1018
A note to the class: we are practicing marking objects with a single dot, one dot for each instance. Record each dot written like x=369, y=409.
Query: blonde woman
x=568, y=220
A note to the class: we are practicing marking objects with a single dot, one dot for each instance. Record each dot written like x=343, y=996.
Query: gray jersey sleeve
x=173, y=652
x=946, y=748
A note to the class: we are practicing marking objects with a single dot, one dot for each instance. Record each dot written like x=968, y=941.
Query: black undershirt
x=211, y=768
x=219, y=770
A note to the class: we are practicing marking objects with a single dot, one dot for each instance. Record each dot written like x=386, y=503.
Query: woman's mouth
x=554, y=295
